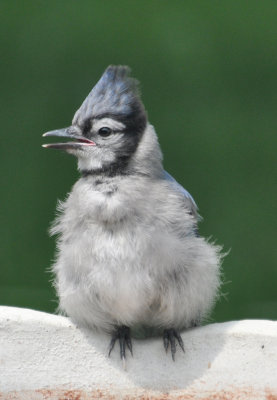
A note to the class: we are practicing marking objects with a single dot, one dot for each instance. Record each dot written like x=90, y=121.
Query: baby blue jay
x=129, y=256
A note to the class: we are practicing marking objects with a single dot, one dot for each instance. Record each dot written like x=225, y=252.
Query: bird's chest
x=105, y=236
x=110, y=262
x=98, y=245
x=105, y=232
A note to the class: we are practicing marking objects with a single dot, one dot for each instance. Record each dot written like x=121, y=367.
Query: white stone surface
x=44, y=356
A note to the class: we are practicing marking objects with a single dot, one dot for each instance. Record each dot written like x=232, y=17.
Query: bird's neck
x=147, y=160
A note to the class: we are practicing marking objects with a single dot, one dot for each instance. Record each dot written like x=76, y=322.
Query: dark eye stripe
x=86, y=127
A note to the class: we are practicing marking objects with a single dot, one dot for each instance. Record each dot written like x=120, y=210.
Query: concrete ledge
x=44, y=356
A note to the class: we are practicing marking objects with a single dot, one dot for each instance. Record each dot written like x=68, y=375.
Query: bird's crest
x=116, y=93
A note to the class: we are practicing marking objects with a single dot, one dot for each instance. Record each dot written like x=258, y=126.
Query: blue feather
x=180, y=188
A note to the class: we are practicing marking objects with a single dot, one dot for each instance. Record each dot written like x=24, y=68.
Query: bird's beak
x=80, y=142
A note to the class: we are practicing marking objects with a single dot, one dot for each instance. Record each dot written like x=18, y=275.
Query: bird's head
x=109, y=125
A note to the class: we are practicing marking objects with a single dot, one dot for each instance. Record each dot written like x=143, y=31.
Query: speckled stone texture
x=44, y=356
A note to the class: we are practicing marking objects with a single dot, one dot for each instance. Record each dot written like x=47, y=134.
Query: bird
x=129, y=259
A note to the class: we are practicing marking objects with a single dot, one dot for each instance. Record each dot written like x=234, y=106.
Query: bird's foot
x=169, y=337
x=121, y=333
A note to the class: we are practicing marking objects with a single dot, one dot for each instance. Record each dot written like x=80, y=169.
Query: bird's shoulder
x=189, y=200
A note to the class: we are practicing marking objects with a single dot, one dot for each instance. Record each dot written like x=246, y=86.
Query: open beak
x=78, y=143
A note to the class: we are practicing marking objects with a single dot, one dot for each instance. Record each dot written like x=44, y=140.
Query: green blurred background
x=208, y=72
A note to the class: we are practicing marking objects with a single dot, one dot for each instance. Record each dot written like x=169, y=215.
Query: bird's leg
x=169, y=337
x=121, y=333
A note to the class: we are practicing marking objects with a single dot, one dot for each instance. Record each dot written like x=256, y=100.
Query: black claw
x=122, y=347
x=129, y=344
x=122, y=334
x=172, y=345
x=169, y=336
x=180, y=340
x=112, y=343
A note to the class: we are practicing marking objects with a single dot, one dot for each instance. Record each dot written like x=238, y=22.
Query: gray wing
x=192, y=205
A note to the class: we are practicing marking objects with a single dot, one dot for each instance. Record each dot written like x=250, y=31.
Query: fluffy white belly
x=134, y=273
x=107, y=278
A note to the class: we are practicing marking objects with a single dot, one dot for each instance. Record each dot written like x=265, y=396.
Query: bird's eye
x=105, y=131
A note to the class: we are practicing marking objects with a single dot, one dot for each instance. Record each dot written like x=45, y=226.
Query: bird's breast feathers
x=119, y=206
x=104, y=224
